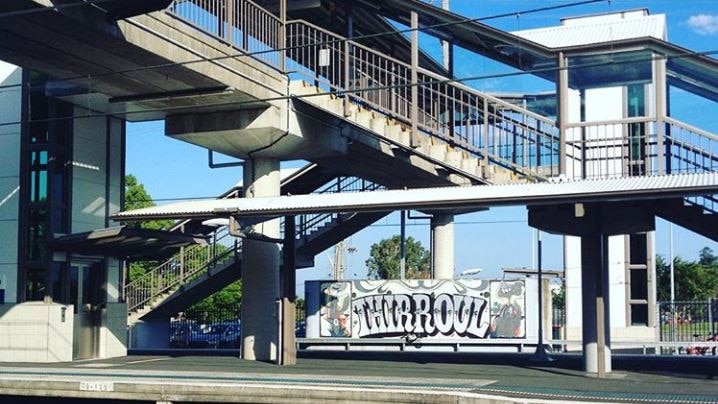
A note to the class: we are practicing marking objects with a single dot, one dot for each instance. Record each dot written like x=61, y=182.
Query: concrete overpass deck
x=378, y=377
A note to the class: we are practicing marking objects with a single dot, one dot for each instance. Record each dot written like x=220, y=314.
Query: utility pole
x=339, y=261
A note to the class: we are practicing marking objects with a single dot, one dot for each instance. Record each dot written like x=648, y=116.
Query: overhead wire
x=366, y=89
x=320, y=43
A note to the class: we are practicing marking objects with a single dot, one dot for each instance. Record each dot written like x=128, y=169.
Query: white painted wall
x=35, y=332
x=10, y=103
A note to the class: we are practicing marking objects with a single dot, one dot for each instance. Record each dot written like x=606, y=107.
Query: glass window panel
x=36, y=233
x=639, y=284
x=638, y=249
x=35, y=284
x=636, y=100
x=639, y=314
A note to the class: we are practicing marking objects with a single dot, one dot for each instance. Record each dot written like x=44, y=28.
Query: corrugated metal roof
x=595, y=32
x=618, y=189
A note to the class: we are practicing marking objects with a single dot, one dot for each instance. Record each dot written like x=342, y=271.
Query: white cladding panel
x=617, y=280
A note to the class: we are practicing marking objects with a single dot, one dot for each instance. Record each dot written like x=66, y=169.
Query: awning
x=603, y=190
x=125, y=243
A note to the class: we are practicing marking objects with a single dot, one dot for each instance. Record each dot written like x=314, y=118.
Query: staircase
x=482, y=137
x=197, y=272
x=691, y=150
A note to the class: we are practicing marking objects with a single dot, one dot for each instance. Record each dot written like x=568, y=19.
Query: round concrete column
x=594, y=296
x=260, y=268
x=442, y=245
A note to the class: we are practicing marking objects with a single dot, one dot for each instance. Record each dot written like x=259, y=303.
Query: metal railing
x=310, y=223
x=181, y=268
x=692, y=322
x=241, y=23
x=616, y=148
x=498, y=131
x=193, y=261
x=490, y=128
x=501, y=132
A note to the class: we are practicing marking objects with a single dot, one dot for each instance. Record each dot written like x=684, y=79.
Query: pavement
x=367, y=377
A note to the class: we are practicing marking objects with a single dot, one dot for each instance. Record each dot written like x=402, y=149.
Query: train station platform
x=363, y=377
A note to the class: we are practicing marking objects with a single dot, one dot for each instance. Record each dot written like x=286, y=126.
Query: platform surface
x=366, y=377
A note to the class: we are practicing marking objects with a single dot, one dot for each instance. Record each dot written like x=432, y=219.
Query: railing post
x=230, y=14
x=283, y=35
x=562, y=101
x=414, y=140
x=486, y=127
x=347, y=80
x=181, y=268
x=243, y=23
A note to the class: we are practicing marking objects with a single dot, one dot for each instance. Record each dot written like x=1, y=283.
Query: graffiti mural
x=421, y=309
x=508, y=309
x=335, y=314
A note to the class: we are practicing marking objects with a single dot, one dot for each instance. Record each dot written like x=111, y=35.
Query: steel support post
x=402, y=246
x=288, y=281
x=414, y=140
x=660, y=93
x=562, y=101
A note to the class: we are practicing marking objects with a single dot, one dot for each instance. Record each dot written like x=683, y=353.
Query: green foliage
x=225, y=303
x=136, y=197
x=385, y=260
x=694, y=280
x=558, y=297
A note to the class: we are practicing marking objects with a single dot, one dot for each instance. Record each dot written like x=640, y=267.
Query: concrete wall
x=10, y=111
x=113, y=334
x=36, y=332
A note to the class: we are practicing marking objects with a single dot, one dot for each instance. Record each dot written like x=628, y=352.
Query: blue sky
x=490, y=240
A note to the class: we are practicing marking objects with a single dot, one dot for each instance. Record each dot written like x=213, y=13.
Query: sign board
x=422, y=308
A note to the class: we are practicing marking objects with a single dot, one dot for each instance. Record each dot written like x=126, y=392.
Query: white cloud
x=704, y=24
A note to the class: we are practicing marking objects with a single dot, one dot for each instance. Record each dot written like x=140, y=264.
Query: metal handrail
x=485, y=124
x=178, y=270
x=493, y=129
x=193, y=261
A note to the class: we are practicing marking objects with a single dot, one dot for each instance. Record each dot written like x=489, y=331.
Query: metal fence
x=689, y=321
x=215, y=328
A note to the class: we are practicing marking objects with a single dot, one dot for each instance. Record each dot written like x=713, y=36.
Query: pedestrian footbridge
x=341, y=88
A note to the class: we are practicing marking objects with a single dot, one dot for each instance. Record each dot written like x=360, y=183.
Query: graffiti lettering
x=421, y=314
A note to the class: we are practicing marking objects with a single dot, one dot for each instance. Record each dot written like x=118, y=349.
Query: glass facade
x=45, y=153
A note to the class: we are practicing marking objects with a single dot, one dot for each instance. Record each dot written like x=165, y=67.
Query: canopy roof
x=608, y=190
x=125, y=242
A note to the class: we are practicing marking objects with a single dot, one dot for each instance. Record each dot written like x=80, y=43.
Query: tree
x=558, y=297
x=137, y=197
x=385, y=260
x=707, y=257
x=694, y=280
x=223, y=305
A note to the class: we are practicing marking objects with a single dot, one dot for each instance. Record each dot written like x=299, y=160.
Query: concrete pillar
x=150, y=334
x=442, y=245
x=260, y=268
x=594, y=290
